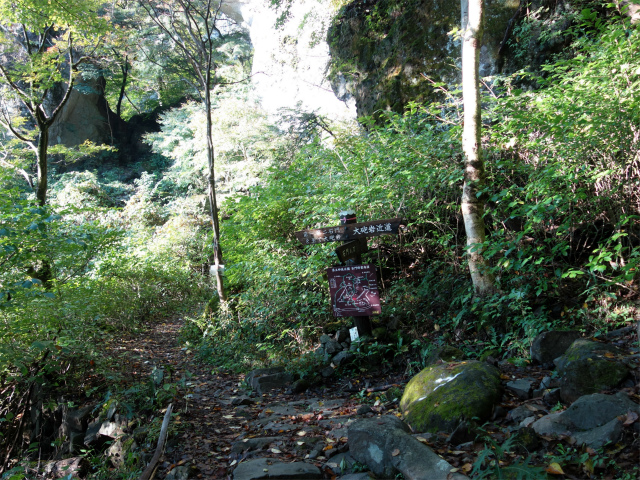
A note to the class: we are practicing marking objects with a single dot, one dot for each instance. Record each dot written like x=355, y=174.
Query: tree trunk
x=213, y=204
x=474, y=175
x=125, y=74
x=43, y=144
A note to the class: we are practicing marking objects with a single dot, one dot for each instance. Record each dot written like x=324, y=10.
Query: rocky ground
x=348, y=425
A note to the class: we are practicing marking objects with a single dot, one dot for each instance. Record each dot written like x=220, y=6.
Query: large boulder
x=441, y=396
x=548, y=346
x=386, y=447
x=589, y=367
x=592, y=419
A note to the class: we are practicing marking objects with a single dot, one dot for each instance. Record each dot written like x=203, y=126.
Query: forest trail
x=218, y=422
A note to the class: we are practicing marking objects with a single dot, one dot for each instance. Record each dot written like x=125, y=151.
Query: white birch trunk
x=474, y=176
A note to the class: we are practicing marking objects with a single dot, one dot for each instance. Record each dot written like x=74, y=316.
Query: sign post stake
x=362, y=323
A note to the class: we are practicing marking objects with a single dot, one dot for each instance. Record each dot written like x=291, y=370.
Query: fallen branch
x=150, y=470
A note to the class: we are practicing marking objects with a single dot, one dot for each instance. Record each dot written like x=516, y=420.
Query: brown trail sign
x=354, y=291
x=351, y=250
x=351, y=231
x=353, y=287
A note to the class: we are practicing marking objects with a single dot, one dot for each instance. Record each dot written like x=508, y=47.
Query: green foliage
x=487, y=465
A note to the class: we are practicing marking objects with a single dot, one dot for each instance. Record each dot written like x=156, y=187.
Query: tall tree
x=192, y=26
x=474, y=173
x=38, y=54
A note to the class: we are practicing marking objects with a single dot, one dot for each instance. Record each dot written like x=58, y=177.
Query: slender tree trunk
x=213, y=204
x=125, y=74
x=43, y=144
x=474, y=175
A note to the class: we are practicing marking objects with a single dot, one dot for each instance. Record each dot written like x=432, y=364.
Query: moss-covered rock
x=446, y=353
x=441, y=396
x=589, y=367
x=382, y=51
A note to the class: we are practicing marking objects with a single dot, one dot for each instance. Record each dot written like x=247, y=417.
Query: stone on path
x=386, y=447
x=179, y=473
x=268, y=468
x=591, y=420
x=588, y=367
x=251, y=444
x=263, y=380
x=521, y=387
x=441, y=396
x=548, y=346
x=356, y=476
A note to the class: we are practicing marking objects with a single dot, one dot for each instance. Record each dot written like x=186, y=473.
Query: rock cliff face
x=386, y=53
x=85, y=116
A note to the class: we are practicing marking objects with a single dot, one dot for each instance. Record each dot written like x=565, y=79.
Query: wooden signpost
x=351, y=231
x=354, y=289
x=351, y=250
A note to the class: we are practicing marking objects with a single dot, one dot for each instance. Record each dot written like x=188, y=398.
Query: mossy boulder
x=588, y=367
x=445, y=353
x=441, y=396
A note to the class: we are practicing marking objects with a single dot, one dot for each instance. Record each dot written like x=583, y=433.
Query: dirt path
x=219, y=422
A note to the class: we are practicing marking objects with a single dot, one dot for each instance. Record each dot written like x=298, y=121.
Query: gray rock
x=548, y=382
x=111, y=429
x=527, y=422
x=445, y=353
x=518, y=414
x=356, y=476
x=340, y=464
x=263, y=468
x=592, y=411
x=550, y=345
x=302, y=384
x=120, y=449
x=590, y=419
x=99, y=432
x=521, y=387
x=277, y=410
x=443, y=395
x=73, y=427
x=342, y=335
x=75, y=466
x=243, y=400
x=332, y=347
x=588, y=367
x=77, y=419
x=551, y=397
x=363, y=410
x=326, y=372
x=598, y=437
x=343, y=357
x=179, y=473
x=386, y=447
x=324, y=339
x=252, y=444
x=76, y=442
x=263, y=380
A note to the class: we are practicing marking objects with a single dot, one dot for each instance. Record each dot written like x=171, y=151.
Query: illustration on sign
x=354, y=291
